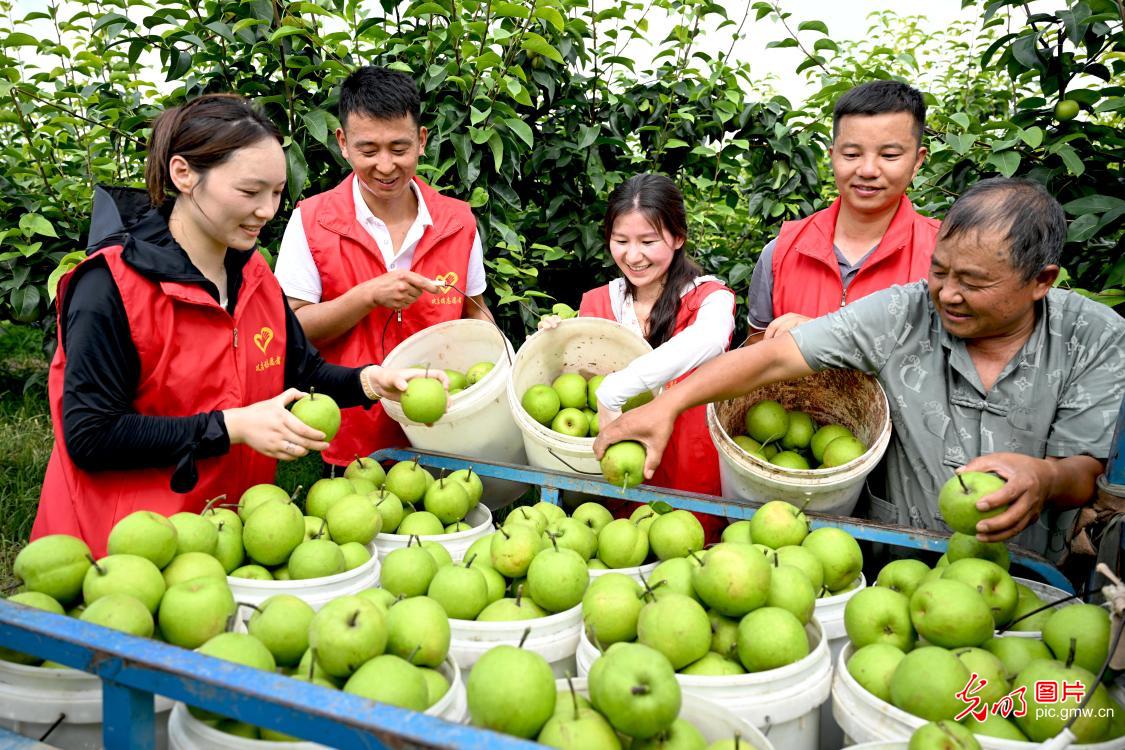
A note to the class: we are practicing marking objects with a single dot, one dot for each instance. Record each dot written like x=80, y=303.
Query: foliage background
x=536, y=112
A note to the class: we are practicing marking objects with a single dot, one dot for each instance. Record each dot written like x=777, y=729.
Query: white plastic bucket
x=711, y=719
x=784, y=703
x=846, y=397
x=316, y=592
x=866, y=718
x=590, y=346
x=33, y=698
x=635, y=573
x=554, y=637
x=479, y=520
x=185, y=732
x=1048, y=594
x=880, y=746
x=481, y=410
x=829, y=613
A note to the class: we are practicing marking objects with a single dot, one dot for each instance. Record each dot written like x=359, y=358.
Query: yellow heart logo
x=447, y=280
x=263, y=338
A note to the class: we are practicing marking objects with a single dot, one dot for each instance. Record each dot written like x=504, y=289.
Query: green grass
x=25, y=438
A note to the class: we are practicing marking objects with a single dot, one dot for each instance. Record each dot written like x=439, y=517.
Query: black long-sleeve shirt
x=101, y=430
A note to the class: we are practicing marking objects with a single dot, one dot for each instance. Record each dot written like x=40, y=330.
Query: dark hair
x=205, y=131
x=880, y=98
x=658, y=199
x=1029, y=217
x=380, y=93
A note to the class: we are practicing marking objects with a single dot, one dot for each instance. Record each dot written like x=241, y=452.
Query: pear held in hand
x=319, y=412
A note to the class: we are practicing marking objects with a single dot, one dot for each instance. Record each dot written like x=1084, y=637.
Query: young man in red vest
x=382, y=255
x=870, y=237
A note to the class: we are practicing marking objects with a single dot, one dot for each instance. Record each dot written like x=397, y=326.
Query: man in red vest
x=382, y=255
x=871, y=237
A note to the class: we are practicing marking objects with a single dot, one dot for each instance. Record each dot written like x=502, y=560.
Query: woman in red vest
x=687, y=317
x=177, y=352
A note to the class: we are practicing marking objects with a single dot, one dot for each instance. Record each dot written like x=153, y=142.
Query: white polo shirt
x=297, y=273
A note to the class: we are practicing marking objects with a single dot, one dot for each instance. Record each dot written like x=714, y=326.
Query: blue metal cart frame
x=133, y=669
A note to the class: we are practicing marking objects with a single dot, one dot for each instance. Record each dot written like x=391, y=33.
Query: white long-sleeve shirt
x=706, y=338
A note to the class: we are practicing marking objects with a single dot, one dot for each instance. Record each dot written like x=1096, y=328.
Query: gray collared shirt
x=1059, y=396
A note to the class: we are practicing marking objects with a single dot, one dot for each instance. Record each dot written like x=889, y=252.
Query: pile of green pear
x=634, y=701
x=920, y=633
x=569, y=405
x=426, y=399
x=794, y=440
x=412, y=502
x=740, y=606
x=372, y=644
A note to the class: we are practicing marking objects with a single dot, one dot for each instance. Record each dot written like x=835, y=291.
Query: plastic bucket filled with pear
x=792, y=439
x=919, y=634
x=632, y=699
x=569, y=405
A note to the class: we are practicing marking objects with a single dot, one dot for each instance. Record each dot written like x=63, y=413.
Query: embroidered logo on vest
x=263, y=338
x=447, y=280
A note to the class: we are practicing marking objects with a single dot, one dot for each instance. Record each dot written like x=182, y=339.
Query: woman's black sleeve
x=305, y=368
x=101, y=430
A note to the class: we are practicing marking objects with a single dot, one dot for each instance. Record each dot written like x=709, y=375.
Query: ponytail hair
x=205, y=132
x=661, y=203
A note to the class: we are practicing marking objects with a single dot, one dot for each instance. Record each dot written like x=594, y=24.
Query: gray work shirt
x=761, y=282
x=1059, y=396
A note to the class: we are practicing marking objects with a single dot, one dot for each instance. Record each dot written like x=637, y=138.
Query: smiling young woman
x=156, y=400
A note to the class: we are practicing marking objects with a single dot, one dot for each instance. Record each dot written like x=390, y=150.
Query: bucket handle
x=567, y=463
x=491, y=319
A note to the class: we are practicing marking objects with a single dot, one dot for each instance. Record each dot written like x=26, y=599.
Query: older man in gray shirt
x=986, y=366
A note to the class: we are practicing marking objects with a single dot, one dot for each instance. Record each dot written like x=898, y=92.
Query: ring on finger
x=289, y=447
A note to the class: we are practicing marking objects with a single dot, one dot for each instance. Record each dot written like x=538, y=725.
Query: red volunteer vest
x=806, y=275
x=690, y=462
x=346, y=255
x=194, y=357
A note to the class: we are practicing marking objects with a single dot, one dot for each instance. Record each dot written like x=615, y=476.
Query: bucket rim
x=308, y=584
x=454, y=537
x=572, y=616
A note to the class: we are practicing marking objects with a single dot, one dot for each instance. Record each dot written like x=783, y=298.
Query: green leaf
x=426, y=9
x=317, y=122
x=961, y=119
x=825, y=44
x=297, y=170
x=1072, y=160
x=813, y=26
x=534, y=43
x=782, y=43
x=246, y=23
x=19, y=39
x=66, y=264
x=1093, y=204
x=478, y=198
x=521, y=129
x=551, y=16
x=496, y=143
x=1006, y=162
x=1032, y=136
x=285, y=31
x=510, y=10
x=25, y=303
x=33, y=224
x=1082, y=228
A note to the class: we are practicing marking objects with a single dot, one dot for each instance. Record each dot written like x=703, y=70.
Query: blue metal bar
x=330, y=717
x=870, y=531
x=128, y=720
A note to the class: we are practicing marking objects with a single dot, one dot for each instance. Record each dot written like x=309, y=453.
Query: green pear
x=570, y=533
x=316, y=558
x=790, y=589
x=252, y=573
x=511, y=690
x=471, y=483
x=675, y=575
x=38, y=601
x=962, y=546
x=145, y=534
x=733, y=579
x=355, y=555
x=611, y=609
x=805, y=561
x=436, y=685
x=54, y=565
x=439, y=553
x=380, y=597
x=958, y=500
x=319, y=412
x=635, y=688
x=991, y=581
x=408, y=481
x=591, y=392
x=800, y=432
x=542, y=403
x=682, y=735
x=842, y=450
x=571, y=387
x=778, y=524
x=767, y=421
x=838, y=553
x=873, y=665
x=1079, y=634
x=621, y=544
x=713, y=665
x=790, y=460
x=390, y=508
x=989, y=668
x=769, y=638
x=448, y=500
x=194, y=611
x=623, y=464
x=1016, y=653
x=258, y=494
x=676, y=626
x=527, y=516
x=903, y=576
x=391, y=680
x=281, y=623
x=512, y=550
x=192, y=565
x=739, y=531
x=418, y=630
x=477, y=372
x=943, y=735
x=408, y=571
x=125, y=574
x=724, y=635
x=951, y=614
x=425, y=400
x=120, y=612
x=511, y=609
x=366, y=468
x=825, y=435
x=879, y=615
x=1040, y=725
x=594, y=515
x=421, y=523
x=272, y=532
x=926, y=683
x=347, y=632
x=994, y=725
x=1028, y=602
x=325, y=493
x=354, y=519
x=228, y=547
x=573, y=727
x=675, y=534
x=461, y=591
x=194, y=533
x=557, y=579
